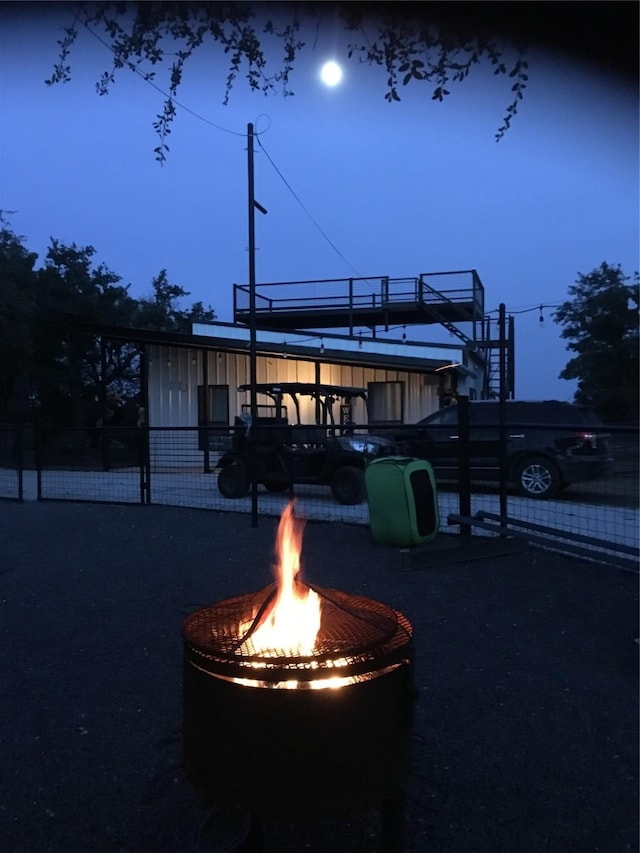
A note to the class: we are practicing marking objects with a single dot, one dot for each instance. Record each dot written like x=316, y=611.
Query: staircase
x=493, y=344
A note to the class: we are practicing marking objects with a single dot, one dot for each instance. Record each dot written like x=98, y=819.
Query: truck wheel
x=347, y=485
x=233, y=481
x=537, y=477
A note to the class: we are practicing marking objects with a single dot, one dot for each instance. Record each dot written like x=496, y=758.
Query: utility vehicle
x=278, y=453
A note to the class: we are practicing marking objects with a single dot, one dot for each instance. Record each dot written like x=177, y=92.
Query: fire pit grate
x=358, y=635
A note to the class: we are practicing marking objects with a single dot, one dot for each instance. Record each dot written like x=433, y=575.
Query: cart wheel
x=233, y=481
x=347, y=485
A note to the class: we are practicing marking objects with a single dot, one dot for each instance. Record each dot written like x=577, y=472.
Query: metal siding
x=159, y=387
x=173, y=387
x=175, y=373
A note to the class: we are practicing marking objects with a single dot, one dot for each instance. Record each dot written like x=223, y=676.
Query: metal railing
x=351, y=294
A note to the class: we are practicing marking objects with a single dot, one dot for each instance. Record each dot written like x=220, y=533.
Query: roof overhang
x=337, y=349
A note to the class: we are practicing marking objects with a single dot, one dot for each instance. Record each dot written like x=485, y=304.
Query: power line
x=298, y=199
x=207, y=121
x=148, y=80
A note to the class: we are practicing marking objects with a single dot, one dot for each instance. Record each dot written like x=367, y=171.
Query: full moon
x=331, y=73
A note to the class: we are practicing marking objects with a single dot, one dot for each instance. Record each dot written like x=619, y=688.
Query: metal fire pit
x=268, y=734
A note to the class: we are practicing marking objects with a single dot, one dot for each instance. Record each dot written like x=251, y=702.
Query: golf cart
x=285, y=453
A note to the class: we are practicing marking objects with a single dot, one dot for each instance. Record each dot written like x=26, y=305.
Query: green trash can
x=403, y=504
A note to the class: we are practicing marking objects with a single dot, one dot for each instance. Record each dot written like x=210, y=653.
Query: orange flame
x=293, y=623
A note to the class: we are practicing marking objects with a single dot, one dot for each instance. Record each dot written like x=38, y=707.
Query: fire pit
x=298, y=701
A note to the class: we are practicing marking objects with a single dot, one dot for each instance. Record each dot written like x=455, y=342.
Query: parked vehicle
x=550, y=444
x=294, y=453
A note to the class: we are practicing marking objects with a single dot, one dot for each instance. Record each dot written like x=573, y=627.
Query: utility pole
x=253, y=204
x=502, y=411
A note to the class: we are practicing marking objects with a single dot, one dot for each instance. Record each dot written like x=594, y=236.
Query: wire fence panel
x=12, y=447
x=604, y=509
x=180, y=467
x=182, y=474
x=98, y=465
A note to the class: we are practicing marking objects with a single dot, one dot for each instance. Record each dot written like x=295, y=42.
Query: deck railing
x=352, y=294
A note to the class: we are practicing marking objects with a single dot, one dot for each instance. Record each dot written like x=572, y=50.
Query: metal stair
x=493, y=345
x=437, y=315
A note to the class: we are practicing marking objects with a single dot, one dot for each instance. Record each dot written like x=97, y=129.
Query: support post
x=252, y=328
x=145, y=456
x=464, y=463
x=502, y=407
x=206, y=396
x=103, y=436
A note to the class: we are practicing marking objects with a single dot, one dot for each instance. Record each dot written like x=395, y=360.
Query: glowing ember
x=292, y=624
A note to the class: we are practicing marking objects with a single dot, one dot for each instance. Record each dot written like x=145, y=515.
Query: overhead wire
x=202, y=118
x=537, y=307
x=151, y=83
x=307, y=213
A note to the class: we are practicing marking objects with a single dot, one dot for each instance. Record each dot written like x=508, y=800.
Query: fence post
x=464, y=465
x=19, y=456
x=37, y=454
x=145, y=466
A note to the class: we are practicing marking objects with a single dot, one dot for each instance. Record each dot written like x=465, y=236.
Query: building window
x=385, y=403
x=213, y=417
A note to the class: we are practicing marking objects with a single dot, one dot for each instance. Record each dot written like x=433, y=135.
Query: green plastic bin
x=403, y=504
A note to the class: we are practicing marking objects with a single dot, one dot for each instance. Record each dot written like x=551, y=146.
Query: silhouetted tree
x=600, y=323
x=73, y=294
x=161, y=312
x=52, y=366
x=17, y=316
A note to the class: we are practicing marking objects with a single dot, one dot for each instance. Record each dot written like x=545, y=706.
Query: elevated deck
x=445, y=298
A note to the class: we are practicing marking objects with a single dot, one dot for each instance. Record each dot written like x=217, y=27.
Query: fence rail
x=179, y=467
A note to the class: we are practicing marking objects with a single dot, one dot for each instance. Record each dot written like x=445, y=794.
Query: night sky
x=360, y=186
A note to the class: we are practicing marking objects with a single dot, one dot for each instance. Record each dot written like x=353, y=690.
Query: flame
x=292, y=625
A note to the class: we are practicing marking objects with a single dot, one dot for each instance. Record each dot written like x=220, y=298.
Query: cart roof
x=310, y=389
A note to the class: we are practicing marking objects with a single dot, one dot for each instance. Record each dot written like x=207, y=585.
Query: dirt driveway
x=526, y=727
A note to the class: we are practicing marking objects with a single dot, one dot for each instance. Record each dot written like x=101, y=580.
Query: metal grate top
x=357, y=634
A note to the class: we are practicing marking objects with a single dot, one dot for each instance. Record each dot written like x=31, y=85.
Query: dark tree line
x=50, y=364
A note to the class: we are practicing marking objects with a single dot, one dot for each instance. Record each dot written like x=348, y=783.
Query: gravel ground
x=526, y=728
